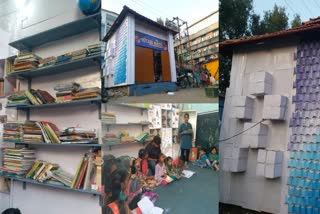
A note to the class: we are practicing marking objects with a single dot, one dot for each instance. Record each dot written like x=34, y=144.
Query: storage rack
x=27, y=44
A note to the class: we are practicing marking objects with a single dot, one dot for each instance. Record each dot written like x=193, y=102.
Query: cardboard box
x=273, y=170
x=259, y=89
x=239, y=165
x=275, y=101
x=238, y=153
x=255, y=141
x=242, y=113
x=260, y=129
x=274, y=157
x=260, y=169
x=242, y=101
x=274, y=113
x=261, y=76
x=262, y=156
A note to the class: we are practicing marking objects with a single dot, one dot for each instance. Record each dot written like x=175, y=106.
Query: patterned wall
x=304, y=146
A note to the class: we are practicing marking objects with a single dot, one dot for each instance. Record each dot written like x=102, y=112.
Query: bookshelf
x=83, y=25
x=57, y=69
x=72, y=70
x=110, y=145
x=96, y=100
x=30, y=181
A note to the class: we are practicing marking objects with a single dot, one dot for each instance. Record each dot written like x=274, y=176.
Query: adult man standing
x=185, y=134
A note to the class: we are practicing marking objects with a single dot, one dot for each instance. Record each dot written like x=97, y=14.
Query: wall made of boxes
x=258, y=105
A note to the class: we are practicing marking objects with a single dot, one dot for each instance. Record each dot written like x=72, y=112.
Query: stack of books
x=12, y=132
x=95, y=49
x=88, y=174
x=108, y=117
x=47, y=61
x=17, y=161
x=87, y=93
x=64, y=93
x=64, y=58
x=79, y=54
x=38, y=97
x=78, y=135
x=32, y=133
x=18, y=99
x=39, y=170
x=25, y=62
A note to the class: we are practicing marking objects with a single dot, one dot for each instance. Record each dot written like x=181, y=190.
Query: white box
x=260, y=76
x=226, y=164
x=260, y=169
x=275, y=101
x=260, y=129
x=239, y=165
x=274, y=113
x=274, y=157
x=241, y=113
x=255, y=141
x=262, y=156
x=238, y=153
x=273, y=170
x=242, y=101
x=227, y=152
x=259, y=89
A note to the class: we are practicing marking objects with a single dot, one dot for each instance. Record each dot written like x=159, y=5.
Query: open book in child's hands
x=187, y=173
x=168, y=179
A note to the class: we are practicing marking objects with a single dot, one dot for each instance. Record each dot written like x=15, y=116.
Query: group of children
x=211, y=160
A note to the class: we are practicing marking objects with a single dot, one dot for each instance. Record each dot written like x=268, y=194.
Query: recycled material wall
x=246, y=189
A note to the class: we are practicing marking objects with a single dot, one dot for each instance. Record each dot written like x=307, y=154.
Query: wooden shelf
x=85, y=24
x=70, y=103
x=30, y=181
x=58, y=69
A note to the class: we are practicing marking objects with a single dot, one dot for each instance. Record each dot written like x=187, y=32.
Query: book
x=90, y=168
x=82, y=174
x=75, y=178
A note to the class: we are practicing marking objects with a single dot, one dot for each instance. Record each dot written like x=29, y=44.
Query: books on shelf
x=18, y=99
x=95, y=49
x=142, y=137
x=110, y=138
x=73, y=91
x=17, y=161
x=12, y=132
x=47, y=61
x=78, y=135
x=32, y=133
x=87, y=93
x=108, y=117
x=26, y=61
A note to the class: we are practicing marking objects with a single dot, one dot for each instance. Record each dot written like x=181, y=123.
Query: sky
x=305, y=8
x=187, y=10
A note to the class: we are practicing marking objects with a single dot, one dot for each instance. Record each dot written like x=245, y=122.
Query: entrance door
x=166, y=71
x=144, y=66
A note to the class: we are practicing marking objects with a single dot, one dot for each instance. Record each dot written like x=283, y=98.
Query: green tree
x=233, y=23
x=160, y=21
x=275, y=20
x=296, y=21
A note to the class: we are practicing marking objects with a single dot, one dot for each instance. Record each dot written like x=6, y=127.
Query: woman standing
x=185, y=134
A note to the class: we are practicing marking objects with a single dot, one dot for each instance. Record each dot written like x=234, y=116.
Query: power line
x=146, y=9
x=242, y=131
x=154, y=9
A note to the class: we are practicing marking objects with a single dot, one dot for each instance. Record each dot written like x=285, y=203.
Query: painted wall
x=35, y=199
x=246, y=189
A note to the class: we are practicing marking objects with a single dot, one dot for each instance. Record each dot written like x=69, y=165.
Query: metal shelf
x=125, y=124
x=85, y=24
x=110, y=145
x=25, y=181
x=58, y=144
x=70, y=103
x=57, y=69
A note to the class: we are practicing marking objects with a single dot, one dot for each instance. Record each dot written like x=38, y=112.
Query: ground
x=190, y=95
x=198, y=194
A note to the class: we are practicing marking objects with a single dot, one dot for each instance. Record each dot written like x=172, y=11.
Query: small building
x=139, y=55
x=204, y=42
x=273, y=102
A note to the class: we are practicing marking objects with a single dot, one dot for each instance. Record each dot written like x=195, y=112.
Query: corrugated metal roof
x=126, y=11
x=309, y=26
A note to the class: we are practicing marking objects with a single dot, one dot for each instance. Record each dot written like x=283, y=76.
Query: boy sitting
x=203, y=160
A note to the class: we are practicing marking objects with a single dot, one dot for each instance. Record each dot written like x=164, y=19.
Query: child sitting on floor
x=171, y=170
x=142, y=162
x=203, y=160
x=161, y=172
x=214, y=158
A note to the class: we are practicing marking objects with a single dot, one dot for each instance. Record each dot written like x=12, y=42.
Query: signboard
x=147, y=41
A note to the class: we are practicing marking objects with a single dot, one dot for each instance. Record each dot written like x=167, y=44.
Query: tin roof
x=124, y=13
x=310, y=26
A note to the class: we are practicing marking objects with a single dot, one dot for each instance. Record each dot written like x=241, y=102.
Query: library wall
x=32, y=200
x=246, y=189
